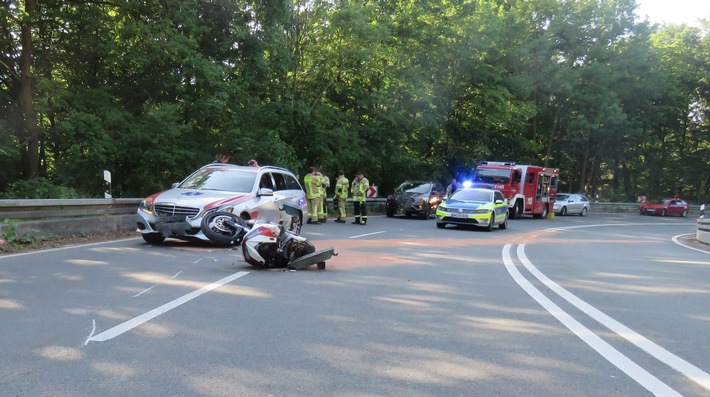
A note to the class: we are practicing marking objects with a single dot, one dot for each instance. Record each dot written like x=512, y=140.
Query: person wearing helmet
x=341, y=196
x=359, y=189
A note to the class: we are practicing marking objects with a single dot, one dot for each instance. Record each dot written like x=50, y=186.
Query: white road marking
x=689, y=370
x=676, y=239
x=368, y=234
x=65, y=248
x=136, y=321
x=144, y=291
x=93, y=329
x=633, y=370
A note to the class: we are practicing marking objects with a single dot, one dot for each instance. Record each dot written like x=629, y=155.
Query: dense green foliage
x=150, y=89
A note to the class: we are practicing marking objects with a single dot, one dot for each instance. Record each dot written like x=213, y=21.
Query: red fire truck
x=529, y=189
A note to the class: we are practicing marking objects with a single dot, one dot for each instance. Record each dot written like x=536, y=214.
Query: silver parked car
x=268, y=193
x=569, y=203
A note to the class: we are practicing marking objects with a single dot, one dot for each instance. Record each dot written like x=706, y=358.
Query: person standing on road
x=359, y=189
x=341, y=195
x=323, y=210
x=452, y=188
x=311, y=183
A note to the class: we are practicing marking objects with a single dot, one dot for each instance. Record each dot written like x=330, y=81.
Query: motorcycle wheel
x=216, y=229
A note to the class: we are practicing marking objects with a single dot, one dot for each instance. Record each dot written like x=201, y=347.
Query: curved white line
x=629, y=367
x=689, y=370
x=676, y=239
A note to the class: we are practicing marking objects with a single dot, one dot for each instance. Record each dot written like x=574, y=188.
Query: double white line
x=640, y=375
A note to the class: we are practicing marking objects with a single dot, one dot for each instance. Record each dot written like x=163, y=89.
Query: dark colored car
x=666, y=206
x=419, y=198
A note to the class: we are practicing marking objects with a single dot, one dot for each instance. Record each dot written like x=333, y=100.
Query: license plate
x=457, y=215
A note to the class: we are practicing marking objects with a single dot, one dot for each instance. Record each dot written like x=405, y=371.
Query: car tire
x=214, y=229
x=504, y=225
x=563, y=211
x=663, y=213
x=491, y=223
x=425, y=215
x=684, y=213
x=517, y=210
x=440, y=225
x=153, y=238
x=584, y=211
x=390, y=211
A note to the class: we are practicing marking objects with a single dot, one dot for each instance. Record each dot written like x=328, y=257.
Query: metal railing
x=71, y=216
x=61, y=208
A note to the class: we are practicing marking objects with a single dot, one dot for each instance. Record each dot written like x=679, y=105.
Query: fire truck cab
x=529, y=189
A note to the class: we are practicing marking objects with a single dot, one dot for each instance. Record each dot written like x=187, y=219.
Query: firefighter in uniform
x=341, y=195
x=323, y=210
x=312, y=184
x=359, y=189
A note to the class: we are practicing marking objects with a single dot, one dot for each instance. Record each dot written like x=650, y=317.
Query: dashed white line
x=367, y=234
x=144, y=291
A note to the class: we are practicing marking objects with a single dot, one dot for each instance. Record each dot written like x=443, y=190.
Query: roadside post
x=107, y=184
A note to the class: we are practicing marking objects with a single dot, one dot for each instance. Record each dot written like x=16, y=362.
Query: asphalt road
x=605, y=305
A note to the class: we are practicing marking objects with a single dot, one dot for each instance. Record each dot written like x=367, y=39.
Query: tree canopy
x=398, y=89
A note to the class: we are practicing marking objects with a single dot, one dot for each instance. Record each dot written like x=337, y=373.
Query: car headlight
x=483, y=211
x=228, y=209
x=443, y=208
x=147, y=207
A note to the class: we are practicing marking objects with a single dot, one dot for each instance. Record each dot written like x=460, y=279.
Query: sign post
x=107, y=184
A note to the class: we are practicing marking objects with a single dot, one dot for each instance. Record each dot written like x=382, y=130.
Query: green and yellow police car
x=474, y=206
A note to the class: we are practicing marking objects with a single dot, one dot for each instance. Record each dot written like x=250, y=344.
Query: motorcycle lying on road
x=264, y=244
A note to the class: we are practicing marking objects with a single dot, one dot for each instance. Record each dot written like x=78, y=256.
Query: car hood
x=464, y=204
x=408, y=195
x=195, y=197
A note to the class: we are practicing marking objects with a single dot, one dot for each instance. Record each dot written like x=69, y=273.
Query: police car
x=474, y=206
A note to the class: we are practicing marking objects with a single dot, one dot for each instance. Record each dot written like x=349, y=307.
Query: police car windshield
x=220, y=179
x=473, y=195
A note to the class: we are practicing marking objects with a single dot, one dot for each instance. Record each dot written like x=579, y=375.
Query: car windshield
x=473, y=195
x=220, y=179
x=664, y=201
x=561, y=197
x=415, y=187
x=491, y=175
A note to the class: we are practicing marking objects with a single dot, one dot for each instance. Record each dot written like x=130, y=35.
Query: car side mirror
x=264, y=191
x=174, y=185
x=499, y=201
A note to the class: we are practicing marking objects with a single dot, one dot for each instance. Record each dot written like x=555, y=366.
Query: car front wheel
x=563, y=211
x=584, y=211
x=440, y=225
x=663, y=213
x=490, y=224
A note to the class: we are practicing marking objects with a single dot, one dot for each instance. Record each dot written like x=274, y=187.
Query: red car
x=666, y=206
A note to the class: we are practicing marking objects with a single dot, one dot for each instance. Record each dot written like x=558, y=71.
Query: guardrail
x=39, y=218
x=60, y=208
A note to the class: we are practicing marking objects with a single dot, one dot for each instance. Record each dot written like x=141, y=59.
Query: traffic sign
x=372, y=192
